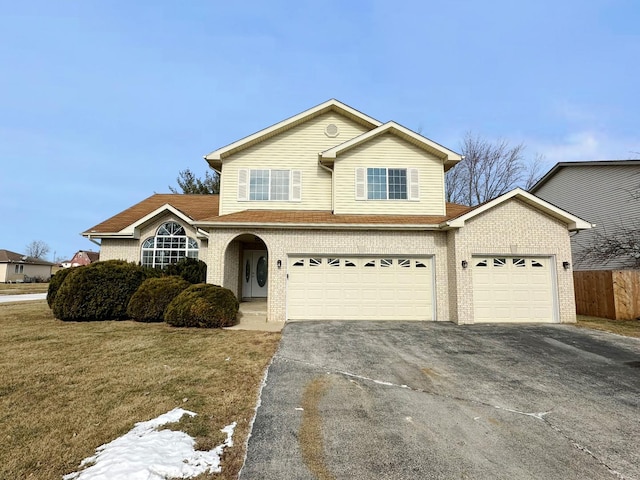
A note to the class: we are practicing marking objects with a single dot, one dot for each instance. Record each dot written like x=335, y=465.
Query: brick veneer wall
x=281, y=243
x=513, y=228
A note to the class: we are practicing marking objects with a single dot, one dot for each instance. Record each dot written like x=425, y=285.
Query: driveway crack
x=537, y=415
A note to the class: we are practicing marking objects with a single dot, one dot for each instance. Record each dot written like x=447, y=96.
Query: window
x=518, y=262
x=170, y=245
x=315, y=262
x=382, y=183
x=404, y=263
x=333, y=262
x=536, y=264
x=387, y=183
x=269, y=185
x=19, y=268
x=499, y=262
x=386, y=262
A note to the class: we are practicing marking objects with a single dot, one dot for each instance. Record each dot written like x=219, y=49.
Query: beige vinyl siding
x=3, y=272
x=295, y=149
x=390, y=151
x=598, y=194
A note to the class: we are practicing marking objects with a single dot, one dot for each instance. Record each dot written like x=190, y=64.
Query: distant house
x=16, y=268
x=602, y=192
x=83, y=257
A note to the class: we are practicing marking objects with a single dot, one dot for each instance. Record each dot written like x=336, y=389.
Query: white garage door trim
x=514, y=289
x=358, y=287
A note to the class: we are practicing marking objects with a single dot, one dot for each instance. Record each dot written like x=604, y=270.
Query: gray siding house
x=605, y=193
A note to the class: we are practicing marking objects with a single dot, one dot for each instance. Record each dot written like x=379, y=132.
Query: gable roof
x=327, y=219
x=449, y=156
x=215, y=158
x=573, y=222
x=7, y=256
x=595, y=163
x=188, y=207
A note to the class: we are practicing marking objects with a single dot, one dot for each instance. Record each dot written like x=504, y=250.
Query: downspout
x=93, y=241
x=333, y=186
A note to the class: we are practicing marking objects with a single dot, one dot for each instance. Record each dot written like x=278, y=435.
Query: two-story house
x=331, y=214
x=605, y=192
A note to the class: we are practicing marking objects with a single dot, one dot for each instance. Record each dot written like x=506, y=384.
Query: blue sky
x=102, y=103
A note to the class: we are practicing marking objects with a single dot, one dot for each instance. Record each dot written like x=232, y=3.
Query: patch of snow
x=146, y=453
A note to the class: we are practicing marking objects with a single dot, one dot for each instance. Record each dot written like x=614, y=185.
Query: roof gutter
x=321, y=226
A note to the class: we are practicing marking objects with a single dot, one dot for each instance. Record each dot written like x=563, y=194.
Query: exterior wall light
x=465, y=264
x=566, y=265
x=279, y=264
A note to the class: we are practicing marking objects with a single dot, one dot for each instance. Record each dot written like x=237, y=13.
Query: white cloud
x=586, y=145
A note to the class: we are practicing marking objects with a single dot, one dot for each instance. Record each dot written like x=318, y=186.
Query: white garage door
x=359, y=288
x=513, y=289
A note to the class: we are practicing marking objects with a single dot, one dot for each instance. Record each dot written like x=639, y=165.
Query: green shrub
x=203, y=305
x=100, y=291
x=192, y=270
x=151, y=299
x=54, y=285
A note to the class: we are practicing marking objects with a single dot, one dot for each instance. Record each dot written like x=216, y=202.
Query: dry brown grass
x=20, y=288
x=628, y=328
x=311, y=439
x=66, y=388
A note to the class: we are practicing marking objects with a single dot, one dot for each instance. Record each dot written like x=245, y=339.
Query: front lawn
x=20, y=288
x=68, y=387
x=628, y=328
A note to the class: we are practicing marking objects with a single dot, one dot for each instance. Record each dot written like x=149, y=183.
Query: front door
x=254, y=274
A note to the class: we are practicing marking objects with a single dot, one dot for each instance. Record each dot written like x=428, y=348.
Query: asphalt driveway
x=386, y=400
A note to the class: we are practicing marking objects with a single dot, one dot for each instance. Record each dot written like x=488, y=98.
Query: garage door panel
x=513, y=289
x=359, y=288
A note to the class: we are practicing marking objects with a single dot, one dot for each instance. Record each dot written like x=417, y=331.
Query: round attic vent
x=331, y=130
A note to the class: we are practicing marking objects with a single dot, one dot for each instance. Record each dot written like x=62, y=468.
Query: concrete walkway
x=253, y=316
x=26, y=297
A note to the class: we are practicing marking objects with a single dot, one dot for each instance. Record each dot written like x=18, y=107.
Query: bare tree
x=621, y=244
x=189, y=183
x=489, y=170
x=37, y=249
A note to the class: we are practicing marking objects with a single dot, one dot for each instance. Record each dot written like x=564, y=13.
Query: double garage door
x=513, y=289
x=359, y=288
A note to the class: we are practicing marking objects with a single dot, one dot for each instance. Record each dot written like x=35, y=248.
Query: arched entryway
x=246, y=267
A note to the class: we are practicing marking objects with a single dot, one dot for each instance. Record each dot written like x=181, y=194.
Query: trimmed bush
x=192, y=270
x=204, y=306
x=151, y=299
x=100, y=291
x=54, y=285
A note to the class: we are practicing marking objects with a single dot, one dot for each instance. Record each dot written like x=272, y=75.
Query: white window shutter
x=414, y=184
x=296, y=185
x=361, y=183
x=243, y=184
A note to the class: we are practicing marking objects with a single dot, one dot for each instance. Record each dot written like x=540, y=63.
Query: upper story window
x=170, y=245
x=269, y=185
x=382, y=183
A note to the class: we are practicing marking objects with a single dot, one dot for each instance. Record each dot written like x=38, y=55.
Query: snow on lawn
x=147, y=453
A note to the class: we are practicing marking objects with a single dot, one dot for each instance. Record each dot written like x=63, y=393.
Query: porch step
x=253, y=316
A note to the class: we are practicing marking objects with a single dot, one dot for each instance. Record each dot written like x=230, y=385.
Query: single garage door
x=359, y=288
x=513, y=289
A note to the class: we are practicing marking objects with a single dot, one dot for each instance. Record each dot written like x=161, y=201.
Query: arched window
x=170, y=245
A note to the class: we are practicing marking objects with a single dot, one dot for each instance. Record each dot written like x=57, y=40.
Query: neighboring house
x=84, y=257
x=603, y=192
x=331, y=214
x=17, y=268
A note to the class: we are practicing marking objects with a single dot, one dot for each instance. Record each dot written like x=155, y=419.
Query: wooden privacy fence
x=611, y=294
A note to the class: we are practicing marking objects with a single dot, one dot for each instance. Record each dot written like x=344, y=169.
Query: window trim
x=362, y=184
x=191, y=248
x=294, y=192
